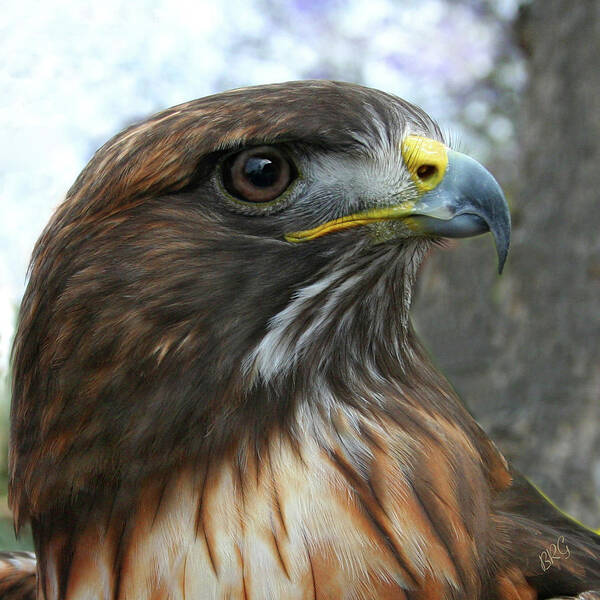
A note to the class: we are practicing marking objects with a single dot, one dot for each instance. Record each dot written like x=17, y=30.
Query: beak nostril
x=426, y=171
x=426, y=161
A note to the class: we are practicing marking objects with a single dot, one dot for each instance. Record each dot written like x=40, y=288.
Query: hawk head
x=215, y=273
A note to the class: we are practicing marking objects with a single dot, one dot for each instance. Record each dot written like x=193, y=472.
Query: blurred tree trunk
x=523, y=350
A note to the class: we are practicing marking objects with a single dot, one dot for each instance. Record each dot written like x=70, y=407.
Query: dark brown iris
x=258, y=174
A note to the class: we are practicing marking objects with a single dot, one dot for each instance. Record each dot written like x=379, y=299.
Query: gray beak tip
x=500, y=228
x=501, y=261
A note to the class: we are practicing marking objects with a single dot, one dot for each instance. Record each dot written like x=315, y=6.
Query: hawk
x=217, y=391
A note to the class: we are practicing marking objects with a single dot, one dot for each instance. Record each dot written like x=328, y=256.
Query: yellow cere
x=426, y=160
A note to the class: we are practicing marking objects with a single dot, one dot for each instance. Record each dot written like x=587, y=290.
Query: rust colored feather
x=17, y=576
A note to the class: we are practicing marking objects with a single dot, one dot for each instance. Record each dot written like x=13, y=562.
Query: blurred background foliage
x=490, y=71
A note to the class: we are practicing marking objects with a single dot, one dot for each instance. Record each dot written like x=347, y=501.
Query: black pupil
x=261, y=171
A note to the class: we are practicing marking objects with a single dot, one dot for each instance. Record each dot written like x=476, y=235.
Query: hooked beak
x=456, y=197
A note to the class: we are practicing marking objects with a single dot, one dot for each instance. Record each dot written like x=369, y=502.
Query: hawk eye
x=258, y=174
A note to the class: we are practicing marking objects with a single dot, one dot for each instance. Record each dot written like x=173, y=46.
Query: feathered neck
x=318, y=476
x=351, y=318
